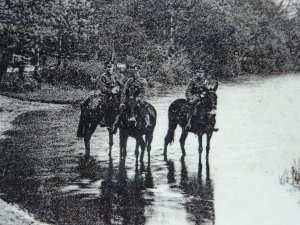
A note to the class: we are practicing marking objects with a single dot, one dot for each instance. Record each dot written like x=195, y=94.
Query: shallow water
x=257, y=143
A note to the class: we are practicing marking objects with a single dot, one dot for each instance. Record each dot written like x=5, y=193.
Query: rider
x=106, y=83
x=136, y=88
x=195, y=92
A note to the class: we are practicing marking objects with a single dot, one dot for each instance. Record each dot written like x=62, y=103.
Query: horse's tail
x=171, y=132
x=80, y=130
x=172, y=127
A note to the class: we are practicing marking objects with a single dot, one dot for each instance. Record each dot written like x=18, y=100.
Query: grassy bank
x=52, y=94
x=62, y=94
x=67, y=94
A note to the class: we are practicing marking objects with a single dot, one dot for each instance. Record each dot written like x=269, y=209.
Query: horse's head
x=132, y=109
x=208, y=104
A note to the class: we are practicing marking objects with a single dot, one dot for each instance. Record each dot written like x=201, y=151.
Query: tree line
x=168, y=38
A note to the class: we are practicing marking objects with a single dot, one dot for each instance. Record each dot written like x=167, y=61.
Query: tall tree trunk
x=59, y=52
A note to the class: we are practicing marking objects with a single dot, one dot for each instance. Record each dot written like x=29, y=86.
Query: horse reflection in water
x=199, y=191
x=122, y=199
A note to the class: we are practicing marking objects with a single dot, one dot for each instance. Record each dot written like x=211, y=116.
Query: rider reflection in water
x=195, y=92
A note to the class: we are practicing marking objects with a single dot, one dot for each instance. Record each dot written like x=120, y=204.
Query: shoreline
x=37, y=100
x=68, y=95
x=12, y=214
x=10, y=109
x=64, y=95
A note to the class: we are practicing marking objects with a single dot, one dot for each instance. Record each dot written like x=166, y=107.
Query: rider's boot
x=139, y=115
x=103, y=122
x=116, y=124
x=139, y=122
x=189, y=121
x=189, y=117
x=147, y=119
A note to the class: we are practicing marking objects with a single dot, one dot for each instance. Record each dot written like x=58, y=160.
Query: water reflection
x=171, y=172
x=122, y=198
x=201, y=206
x=199, y=191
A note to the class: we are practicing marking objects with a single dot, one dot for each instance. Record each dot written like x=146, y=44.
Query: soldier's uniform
x=195, y=89
x=107, y=83
x=136, y=88
x=194, y=93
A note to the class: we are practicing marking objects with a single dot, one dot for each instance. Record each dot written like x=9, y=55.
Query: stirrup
x=148, y=126
x=188, y=127
x=114, y=129
x=103, y=123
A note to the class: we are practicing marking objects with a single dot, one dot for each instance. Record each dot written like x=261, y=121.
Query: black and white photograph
x=149, y=112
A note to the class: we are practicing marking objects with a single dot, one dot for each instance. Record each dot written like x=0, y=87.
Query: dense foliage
x=168, y=38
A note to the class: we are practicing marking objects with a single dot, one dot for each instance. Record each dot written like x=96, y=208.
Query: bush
x=76, y=73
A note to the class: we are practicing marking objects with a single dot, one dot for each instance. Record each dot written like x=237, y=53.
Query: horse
x=203, y=121
x=93, y=111
x=128, y=127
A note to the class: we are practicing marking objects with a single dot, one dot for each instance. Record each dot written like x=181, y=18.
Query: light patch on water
x=168, y=207
x=258, y=139
x=85, y=187
x=70, y=188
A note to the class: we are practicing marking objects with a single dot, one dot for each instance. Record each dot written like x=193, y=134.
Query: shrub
x=76, y=73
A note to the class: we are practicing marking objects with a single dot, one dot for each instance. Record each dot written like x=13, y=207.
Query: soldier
x=135, y=87
x=195, y=92
x=107, y=83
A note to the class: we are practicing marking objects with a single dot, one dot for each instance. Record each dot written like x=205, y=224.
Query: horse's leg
x=149, y=139
x=170, y=136
x=200, y=148
x=182, y=139
x=208, y=135
x=139, y=142
x=123, y=142
x=80, y=129
x=137, y=145
x=143, y=146
x=89, y=130
x=111, y=141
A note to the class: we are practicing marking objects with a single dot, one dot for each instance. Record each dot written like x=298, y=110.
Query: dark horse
x=93, y=111
x=203, y=121
x=129, y=127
